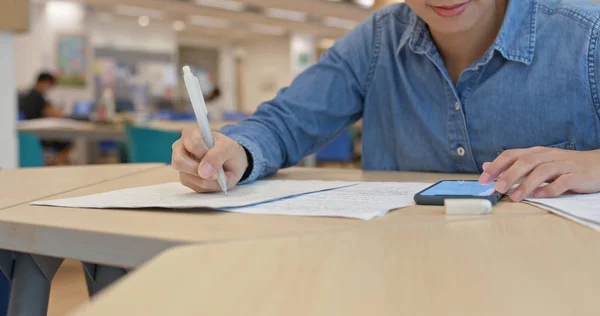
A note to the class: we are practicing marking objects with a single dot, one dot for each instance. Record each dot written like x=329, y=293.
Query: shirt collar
x=515, y=41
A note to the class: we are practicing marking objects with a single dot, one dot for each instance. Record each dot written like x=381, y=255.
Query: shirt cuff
x=258, y=160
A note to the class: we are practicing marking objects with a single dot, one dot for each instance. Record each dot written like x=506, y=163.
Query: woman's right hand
x=198, y=165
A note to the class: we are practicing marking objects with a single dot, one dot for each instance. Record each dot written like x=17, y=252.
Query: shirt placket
x=459, y=147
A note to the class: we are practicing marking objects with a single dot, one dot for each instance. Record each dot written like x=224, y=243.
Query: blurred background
x=99, y=81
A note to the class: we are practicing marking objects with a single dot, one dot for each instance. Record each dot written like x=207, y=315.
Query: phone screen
x=461, y=188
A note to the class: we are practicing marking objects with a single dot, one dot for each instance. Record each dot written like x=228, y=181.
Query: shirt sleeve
x=320, y=103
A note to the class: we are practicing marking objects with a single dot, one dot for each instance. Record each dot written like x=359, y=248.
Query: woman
x=442, y=85
x=508, y=89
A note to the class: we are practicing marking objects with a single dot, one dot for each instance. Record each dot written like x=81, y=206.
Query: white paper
x=176, y=196
x=366, y=200
x=581, y=208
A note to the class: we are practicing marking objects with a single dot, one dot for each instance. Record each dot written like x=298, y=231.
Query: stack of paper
x=176, y=196
x=582, y=208
x=365, y=200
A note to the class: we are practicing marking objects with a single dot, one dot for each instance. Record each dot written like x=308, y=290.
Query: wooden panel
x=14, y=15
x=382, y=3
x=535, y=265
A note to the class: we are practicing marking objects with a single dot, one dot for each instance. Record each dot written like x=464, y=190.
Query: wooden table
x=130, y=238
x=86, y=134
x=178, y=126
x=19, y=186
x=527, y=265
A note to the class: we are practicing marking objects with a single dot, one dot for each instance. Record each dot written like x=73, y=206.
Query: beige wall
x=382, y=3
x=265, y=69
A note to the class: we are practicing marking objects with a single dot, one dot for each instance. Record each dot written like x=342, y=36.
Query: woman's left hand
x=565, y=170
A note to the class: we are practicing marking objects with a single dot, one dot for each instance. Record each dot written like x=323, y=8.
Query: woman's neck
x=460, y=50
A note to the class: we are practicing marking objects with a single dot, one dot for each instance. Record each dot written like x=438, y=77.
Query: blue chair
x=150, y=145
x=31, y=153
x=164, y=114
x=183, y=116
x=341, y=149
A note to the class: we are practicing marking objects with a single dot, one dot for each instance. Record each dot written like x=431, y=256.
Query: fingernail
x=516, y=196
x=206, y=171
x=486, y=178
x=501, y=186
x=485, y=165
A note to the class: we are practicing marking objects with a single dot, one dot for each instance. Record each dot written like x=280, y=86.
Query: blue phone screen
x=461, y=188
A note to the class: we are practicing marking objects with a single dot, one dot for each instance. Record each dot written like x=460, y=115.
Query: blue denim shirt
x=538, y=85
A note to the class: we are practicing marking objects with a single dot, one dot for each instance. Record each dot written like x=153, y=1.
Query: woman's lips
x=451, y=11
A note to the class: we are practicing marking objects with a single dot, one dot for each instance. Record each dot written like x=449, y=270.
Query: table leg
x=31, y=281
x=81, y=147
x=92, y=152
x=309, y=162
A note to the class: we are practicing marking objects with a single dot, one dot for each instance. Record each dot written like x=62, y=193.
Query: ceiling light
x=286, y=14
x=143, y=21
x=137, y=11
x=340, y=23
x=222, y=4
x=178, y=25
x=267, y=29
x=209, y=21
x=365, y=3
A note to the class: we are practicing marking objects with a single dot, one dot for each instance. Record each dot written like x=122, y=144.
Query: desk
x=85, y=134
x=19, y=186
x=178, y=126
x=532, y=265
x=130, y=238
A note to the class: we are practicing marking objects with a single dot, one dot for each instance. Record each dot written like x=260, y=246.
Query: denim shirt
x=538, y=85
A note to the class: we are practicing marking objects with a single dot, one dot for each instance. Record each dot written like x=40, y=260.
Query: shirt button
x=457, y=106
x=461, y=151
x=476, y=68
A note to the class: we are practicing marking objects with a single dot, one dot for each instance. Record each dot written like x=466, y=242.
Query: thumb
x=212, y=161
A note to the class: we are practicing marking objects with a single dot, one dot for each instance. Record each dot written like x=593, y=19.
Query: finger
x=182, y=161
x=503, y=162
x=213, y=160
x=541, y=174
x=203, y=186
x=485, y=165
x=520, y=169
x=561, y=185
x=193, y=143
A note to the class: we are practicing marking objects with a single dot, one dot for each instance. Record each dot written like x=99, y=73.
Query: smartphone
x=453, y=189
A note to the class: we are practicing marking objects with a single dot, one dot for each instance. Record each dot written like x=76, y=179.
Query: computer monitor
x=82, y=110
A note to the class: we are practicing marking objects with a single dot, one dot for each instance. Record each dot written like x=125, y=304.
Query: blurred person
x=34, y=105
x=507, y=89
x=214, y=104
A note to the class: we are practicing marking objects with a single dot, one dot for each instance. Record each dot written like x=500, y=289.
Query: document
x=581, y=208
x=176, y=196
x=366, y=200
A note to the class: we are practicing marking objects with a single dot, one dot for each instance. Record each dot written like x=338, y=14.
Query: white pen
x=193, y=88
